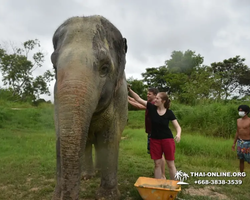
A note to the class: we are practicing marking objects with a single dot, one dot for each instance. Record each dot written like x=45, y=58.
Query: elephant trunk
x=75, y=106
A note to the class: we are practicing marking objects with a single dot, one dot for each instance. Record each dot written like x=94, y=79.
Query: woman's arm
x=134, y=103
x=137, y=98
x=178, y=130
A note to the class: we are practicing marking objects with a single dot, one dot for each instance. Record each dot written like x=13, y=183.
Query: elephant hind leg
x=87, y=163
x=107, y=155
x=103, y=194
x=56, y=194
x=98, y=159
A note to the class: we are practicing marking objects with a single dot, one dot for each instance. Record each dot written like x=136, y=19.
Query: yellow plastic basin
x=157, y=189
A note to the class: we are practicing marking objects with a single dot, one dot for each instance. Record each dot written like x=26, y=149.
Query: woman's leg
x=163, y=167
x=158, y=172
x=156, y=155
x=168, y=146
x=172, y=169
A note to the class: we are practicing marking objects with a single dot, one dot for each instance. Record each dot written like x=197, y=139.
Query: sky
x=216, y=30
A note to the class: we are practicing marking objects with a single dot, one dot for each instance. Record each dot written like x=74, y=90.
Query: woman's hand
x=136, y=97
x=128, y=87
x=177, y=138
x=178, y=130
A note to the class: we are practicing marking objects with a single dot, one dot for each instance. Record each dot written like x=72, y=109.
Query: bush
x=136, y=119
x=216, y=119
x=5, y=115
x=7, y=94
x=24, y=116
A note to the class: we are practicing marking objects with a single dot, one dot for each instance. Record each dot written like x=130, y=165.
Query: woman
x=161, y=140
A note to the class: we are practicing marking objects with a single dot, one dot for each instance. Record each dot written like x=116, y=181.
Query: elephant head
x=90, y=100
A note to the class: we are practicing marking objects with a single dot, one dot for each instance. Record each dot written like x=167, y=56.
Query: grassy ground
x=27, y=160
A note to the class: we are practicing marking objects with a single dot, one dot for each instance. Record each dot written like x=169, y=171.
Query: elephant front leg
x=107, y=154
x=57, y=191
x=87, y=162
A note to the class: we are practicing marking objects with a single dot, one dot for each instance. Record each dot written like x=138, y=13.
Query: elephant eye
x=104, y=70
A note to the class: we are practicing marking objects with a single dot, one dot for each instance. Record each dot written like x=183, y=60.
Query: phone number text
x=218, y=182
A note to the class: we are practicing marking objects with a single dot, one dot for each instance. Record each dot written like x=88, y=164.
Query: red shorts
x=160, y=146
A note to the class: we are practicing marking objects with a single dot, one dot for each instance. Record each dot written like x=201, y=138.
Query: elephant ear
x=118, y=48
x=121, y=63
x=125, y=45
x=57, y=42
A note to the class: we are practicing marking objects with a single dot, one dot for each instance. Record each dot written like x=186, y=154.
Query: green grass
x=28, y=161
x=27, y=118
x=27, y=164
x=195, y=153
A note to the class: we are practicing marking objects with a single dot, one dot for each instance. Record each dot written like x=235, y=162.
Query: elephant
x=90, y=99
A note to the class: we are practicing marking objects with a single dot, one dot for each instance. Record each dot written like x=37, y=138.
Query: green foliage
x=176, y=81
x=28, y=164
x=4, y=116
x=138, y=87
x=184, y=62
x=155, y=77
x=229, y=76
x=197, y=88
x=200, y=145
x=17, y=69
x=136, y=119
x=244, y=79
x=213, y=119
x=27, y=142
x=8, y=95
x=188, y=81
x=209, y=119
x=25, y=116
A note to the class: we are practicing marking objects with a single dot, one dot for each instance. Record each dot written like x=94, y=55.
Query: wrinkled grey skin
x=90, y=103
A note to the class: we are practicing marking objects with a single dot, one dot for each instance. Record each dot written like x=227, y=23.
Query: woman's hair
x=165, y=98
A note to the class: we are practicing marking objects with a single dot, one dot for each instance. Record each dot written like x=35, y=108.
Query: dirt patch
x=3, y=187
x=28, y=179
x=34, y=189
x=206, y=191
x=50, y=180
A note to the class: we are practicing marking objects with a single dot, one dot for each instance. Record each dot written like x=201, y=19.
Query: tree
x=184, y=62
x=175, y=82
x=138, y=87
x=198, y=87
x=17, y=71
x=180, y=68
x=230, y=76
x=156, y=77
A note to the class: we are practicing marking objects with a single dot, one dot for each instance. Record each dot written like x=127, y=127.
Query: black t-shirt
x=160, y=123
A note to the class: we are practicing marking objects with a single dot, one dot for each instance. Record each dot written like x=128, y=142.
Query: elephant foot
x=108, y=194
x=98, y=172
x=56, y=194
x=88, y=175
